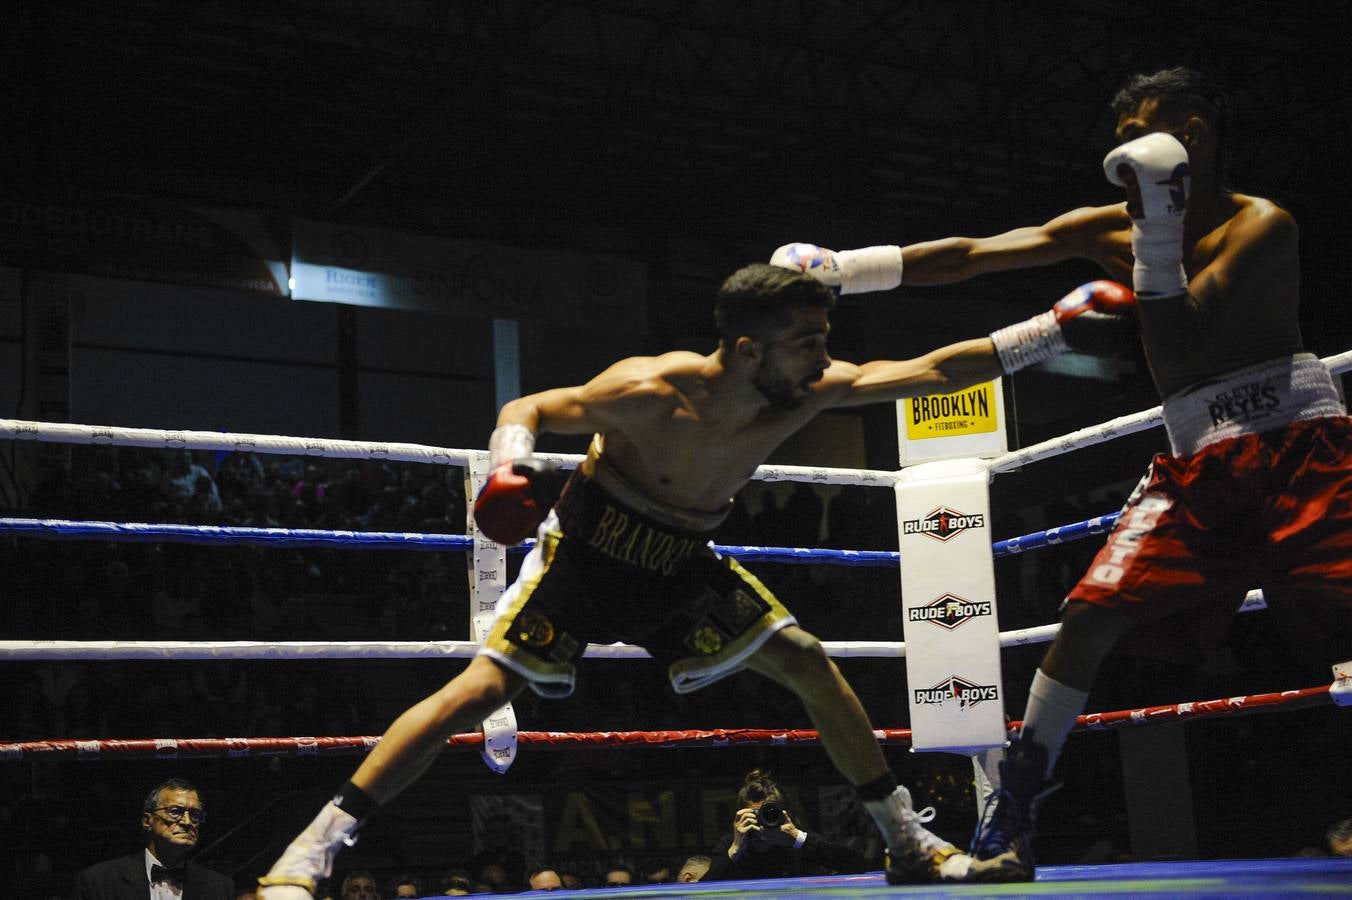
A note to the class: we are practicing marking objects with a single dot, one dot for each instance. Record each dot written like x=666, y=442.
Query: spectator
x=766, y=842
x=693, y=869
x=571, y=880
x=619, y=876
x=359, y=885
x=803, y=516
x=544, y=878
x=171, y=821
x=180, y=478
x=1340, y=838
x=657, y=872
x=456, y=883
x=769, y=525
x=494, y=875
x=404, y=886
x=500, y=842
x=847, y=518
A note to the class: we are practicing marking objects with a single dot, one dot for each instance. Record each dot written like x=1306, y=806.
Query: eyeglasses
x=176, y=813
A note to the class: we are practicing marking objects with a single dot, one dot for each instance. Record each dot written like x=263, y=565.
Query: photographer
x=765, y=842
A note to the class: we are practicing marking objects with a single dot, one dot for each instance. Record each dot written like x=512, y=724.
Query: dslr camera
x=770, y=814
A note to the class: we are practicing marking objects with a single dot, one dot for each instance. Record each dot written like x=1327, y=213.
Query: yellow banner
x=969, y=411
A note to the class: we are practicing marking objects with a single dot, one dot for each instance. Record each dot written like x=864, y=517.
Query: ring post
x=956, y=695
x=487, y=583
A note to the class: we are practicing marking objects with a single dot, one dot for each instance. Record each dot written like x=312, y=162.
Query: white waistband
x=1251, y=400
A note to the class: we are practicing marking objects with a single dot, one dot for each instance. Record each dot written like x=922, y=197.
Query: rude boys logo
x=949, y=611
x=955, y=688
x=942, y=524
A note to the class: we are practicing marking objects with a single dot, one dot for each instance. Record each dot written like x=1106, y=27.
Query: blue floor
x=1265, y=878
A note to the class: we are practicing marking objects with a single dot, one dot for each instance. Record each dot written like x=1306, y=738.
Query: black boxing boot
x=1002, y=848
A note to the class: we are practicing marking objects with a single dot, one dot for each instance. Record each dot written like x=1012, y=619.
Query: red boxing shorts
x=1270, y=510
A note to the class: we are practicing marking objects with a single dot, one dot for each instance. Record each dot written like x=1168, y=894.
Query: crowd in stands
x=90, y=589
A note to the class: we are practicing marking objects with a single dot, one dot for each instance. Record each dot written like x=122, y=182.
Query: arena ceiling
x=689, y=135
x=656, y=115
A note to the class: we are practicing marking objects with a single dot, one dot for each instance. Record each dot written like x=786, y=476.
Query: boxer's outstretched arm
x=1097, y=318
x=1078, y=234
x=949, y=368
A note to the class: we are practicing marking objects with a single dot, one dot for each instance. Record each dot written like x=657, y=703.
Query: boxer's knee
x=794, y=658
x=477, y=692
x=1088, y=632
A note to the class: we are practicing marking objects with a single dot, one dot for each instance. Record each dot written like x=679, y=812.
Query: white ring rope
x=332, y=448
x=194, y=650
x=104, y=435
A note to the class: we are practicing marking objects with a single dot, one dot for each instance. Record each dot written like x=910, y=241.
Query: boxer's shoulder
x=1252, y=224
x=1263, y=215
x=644, y=377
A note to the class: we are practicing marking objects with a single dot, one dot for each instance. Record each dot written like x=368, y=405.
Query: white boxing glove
x=844, y=271
x=1157, y=166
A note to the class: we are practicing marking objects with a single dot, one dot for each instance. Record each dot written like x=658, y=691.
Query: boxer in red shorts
x=625, y=554
x=1257, y=491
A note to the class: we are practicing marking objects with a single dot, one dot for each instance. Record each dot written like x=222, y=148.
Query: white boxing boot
x=915, y=855
x=309, y=858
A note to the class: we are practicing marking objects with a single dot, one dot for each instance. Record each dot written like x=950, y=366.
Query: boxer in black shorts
x=626, y=553
x=639, y=573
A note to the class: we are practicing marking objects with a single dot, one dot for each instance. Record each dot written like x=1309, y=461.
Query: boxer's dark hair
x=1178, y=89
x=759, y=299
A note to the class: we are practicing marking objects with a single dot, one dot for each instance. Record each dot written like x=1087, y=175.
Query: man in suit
x=171, y=819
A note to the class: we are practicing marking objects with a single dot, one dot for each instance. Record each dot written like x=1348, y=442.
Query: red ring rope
x=205, y=748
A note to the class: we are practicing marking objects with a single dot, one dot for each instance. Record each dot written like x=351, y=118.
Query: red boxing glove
x=1098, y=318
x=516, y=498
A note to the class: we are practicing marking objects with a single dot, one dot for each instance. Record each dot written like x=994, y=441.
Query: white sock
x=1052, y=710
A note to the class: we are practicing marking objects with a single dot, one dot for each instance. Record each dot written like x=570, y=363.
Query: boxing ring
x=1290, y=877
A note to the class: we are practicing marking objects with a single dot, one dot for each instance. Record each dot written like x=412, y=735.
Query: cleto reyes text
x=1243, y=401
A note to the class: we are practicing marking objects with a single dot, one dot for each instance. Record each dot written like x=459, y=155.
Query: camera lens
x=770, y=814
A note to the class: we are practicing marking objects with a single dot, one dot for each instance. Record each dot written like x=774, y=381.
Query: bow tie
x=177, y=874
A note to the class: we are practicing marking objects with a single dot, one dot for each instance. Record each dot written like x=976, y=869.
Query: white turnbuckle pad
x=487, y=583
x=955, y=689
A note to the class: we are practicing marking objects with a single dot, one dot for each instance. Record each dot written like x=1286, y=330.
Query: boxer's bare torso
x=1243, y=296
x=689, y=430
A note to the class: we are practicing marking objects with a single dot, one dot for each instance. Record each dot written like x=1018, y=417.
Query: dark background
x=694, y=137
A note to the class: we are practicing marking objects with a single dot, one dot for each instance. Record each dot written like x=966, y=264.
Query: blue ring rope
x=66, y=529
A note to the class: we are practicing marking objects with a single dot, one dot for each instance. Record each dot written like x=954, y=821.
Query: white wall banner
x=956, y=693
x=144, y=238
x=401, y=270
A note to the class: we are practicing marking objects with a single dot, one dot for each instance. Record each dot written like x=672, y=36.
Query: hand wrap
x=844, y=271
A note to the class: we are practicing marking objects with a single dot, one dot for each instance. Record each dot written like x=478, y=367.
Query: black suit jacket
x=124, y=878
x=818, y=856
